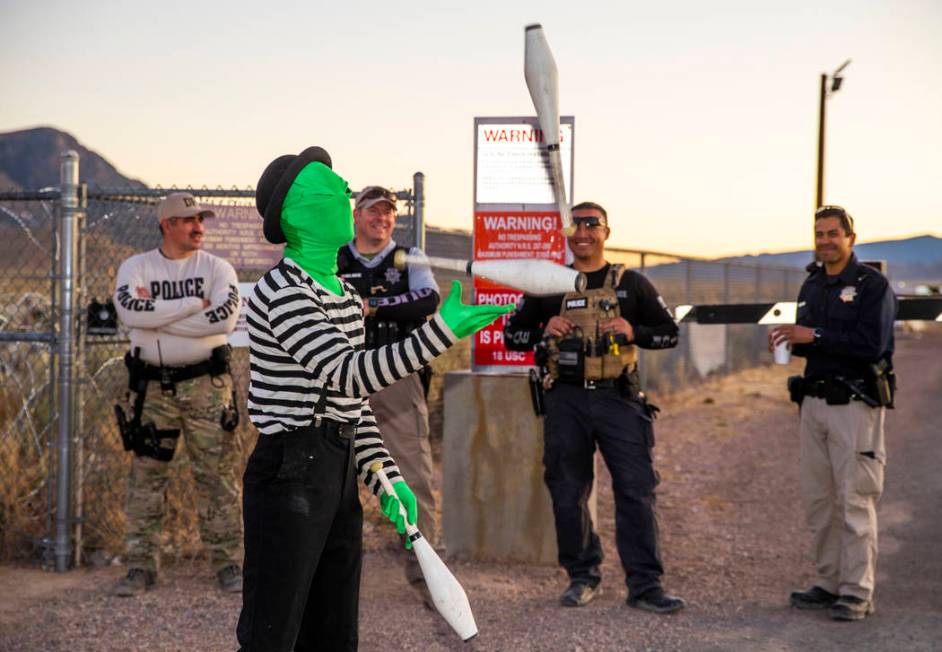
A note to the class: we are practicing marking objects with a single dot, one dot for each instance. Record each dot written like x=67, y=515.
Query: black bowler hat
x=273, y=186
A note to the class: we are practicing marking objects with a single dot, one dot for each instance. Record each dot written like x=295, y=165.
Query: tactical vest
x=588, y=354
x=384, y=280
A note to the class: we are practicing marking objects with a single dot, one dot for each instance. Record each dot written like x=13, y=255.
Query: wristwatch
x=372, y=303
x=816, y=334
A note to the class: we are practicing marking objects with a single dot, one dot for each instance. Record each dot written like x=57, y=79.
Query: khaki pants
x=402, y=416
x=842, y=461
x=195, y=411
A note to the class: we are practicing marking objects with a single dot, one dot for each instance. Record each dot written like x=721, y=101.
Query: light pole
x=836, y=80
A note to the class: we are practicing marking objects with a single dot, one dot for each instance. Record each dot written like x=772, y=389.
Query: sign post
x=515, y=216
x=494, y=503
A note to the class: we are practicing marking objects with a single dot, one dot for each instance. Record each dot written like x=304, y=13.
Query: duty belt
x=175, y=374
x=818, y=388
x=606, y=383
x=815, y=388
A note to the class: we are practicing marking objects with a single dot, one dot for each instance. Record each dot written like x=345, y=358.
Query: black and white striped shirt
x=307, y=359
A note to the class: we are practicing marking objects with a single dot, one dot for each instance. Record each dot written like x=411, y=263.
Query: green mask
x=316, y=220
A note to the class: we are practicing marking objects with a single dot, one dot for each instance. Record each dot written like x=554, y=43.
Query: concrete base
x=494, y=502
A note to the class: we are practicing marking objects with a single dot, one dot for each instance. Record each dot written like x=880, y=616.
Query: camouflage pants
x=195, y=411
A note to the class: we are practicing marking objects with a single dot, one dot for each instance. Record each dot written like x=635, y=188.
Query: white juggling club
x=447, y=595
x=539, y=69
x=534, y=276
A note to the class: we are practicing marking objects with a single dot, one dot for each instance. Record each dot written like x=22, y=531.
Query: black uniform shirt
x=407, y=296
x=854, y=312
x=638, y=301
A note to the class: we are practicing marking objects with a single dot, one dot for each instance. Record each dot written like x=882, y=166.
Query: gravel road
x=733, y=538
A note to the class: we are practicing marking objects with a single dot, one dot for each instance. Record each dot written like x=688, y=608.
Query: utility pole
x=825, y=93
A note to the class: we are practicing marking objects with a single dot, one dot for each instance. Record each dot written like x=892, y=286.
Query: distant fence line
x=59, y=252
x=706, y=350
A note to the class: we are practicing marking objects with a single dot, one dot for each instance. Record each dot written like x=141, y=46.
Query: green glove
x=390, y=505
x=463, y=319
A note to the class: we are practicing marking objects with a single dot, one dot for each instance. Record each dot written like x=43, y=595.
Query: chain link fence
x=37, y=518
x=28, y=410
x=707, y=349
x=111, y=225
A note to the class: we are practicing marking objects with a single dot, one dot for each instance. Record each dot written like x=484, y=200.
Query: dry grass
x=22, y=499
x=25, y=419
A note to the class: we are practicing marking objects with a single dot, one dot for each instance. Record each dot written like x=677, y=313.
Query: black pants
x=577, y=420
x=303, y=543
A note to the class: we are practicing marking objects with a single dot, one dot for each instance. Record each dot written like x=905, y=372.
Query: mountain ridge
x=914, y=257
x=29, y=160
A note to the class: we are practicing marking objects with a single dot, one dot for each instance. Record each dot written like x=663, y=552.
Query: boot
x=656, y=601
x=579, y=594
x=849, y=607
x=813, y=598
x=230, y=579
x=135, y=582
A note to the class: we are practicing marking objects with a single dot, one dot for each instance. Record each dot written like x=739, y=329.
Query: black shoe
x=579, y=594
x=135, y=582
x=848, y=607
x=813, y=598
x=230, y=579
x=656, y=601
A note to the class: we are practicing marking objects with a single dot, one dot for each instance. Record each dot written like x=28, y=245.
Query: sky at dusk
x=695, y=122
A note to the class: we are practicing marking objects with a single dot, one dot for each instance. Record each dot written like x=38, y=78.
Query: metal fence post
x=642, y=365
x=727, y=339
x=48, y=542
x=688, y=299
x=418, y=191
x=80, y=376
x=68, y=187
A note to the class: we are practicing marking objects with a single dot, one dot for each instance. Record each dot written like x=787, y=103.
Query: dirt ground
x=733, y=538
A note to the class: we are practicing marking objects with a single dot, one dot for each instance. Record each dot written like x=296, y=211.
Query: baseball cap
x=372, y=195
x=181, y=204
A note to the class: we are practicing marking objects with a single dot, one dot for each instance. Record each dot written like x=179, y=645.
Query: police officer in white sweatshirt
x=180, y=304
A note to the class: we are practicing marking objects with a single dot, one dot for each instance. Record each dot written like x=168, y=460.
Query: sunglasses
x=588, y=222
x=377, y=193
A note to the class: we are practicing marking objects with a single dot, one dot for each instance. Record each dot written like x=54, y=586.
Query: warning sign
x=509, y=235
x=515, y=217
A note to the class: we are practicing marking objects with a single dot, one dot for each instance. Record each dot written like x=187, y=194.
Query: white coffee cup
x=783, y=353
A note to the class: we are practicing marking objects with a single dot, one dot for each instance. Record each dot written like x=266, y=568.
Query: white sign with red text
x=510, y=165
x=509, y=235
x=515, y=216
x=240, y=336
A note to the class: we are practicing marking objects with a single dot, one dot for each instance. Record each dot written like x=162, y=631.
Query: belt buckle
x=346, y=430
x=589, y=384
